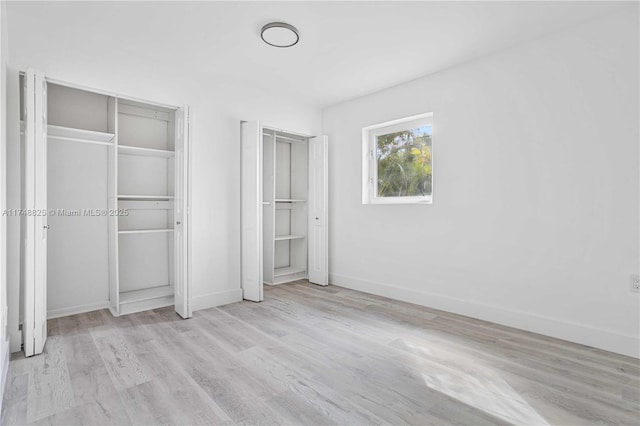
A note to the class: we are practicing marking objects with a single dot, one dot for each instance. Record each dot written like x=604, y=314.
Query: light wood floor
x=314, y=355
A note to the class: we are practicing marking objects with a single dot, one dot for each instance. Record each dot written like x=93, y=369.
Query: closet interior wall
x=285, y=192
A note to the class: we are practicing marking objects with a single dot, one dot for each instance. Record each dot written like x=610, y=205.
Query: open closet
x=284, y=208
x=107, y=177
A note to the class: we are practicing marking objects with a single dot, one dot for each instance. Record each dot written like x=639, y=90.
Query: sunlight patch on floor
x=487, y=393
x=460, y=376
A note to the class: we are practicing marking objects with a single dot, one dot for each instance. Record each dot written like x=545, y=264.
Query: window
x=398, y=161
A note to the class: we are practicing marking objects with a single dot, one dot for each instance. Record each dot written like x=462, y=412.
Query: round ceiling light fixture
x=279, y=34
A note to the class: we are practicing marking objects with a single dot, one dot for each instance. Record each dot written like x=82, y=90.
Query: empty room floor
x=314, y=355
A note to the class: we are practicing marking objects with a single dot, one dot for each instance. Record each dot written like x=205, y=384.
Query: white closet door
x=318, y=220
x=35, y=259
x=251, y=210
x=181, y=228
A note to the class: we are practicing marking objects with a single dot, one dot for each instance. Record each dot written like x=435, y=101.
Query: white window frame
x=369, y=163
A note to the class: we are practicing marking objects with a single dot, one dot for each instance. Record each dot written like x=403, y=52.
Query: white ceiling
x=347, y=49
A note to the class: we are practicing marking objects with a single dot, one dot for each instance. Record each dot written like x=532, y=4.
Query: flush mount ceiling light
x=279, y=34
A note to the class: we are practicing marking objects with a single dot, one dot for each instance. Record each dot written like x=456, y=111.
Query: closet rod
x=66, y=139
x=289, y=139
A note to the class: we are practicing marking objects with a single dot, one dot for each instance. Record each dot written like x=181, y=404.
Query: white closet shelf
x=145, y=299
x=288, y=270
x=146, y=204
x=144, y=152
x=289, y=200
x=288, y=237
x=145, y=294
x=79, y=135
x=145, y=197
x=144, y=231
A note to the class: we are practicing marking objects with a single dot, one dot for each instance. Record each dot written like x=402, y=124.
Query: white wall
x=535, y=221
x=217, y=107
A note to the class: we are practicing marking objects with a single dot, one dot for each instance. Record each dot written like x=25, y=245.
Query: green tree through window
x=404, y=161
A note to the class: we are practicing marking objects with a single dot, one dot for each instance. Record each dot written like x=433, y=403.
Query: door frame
x=251, y=177
x=29, y=231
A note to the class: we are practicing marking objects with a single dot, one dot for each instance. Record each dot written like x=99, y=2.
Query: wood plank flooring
x=311, y=355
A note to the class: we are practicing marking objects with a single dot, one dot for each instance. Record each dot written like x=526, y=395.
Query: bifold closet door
x=34, y=328
x=251, y=210
x=181, y=234
x=318, y=211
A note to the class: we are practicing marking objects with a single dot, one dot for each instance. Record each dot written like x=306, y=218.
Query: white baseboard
x=216, y=299
x=578, y=333
x=80, y=309
x=199, y=302
x=5, y=354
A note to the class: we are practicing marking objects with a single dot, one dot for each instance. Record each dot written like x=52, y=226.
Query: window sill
x=399, y=200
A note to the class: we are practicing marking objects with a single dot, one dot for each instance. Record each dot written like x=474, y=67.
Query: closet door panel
x=251, y=210
x=28, y=223
x=112, y=197
x=179, y=269
x=318, y=212
x=35, y=226
x=42, y=220
x=269, y=214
